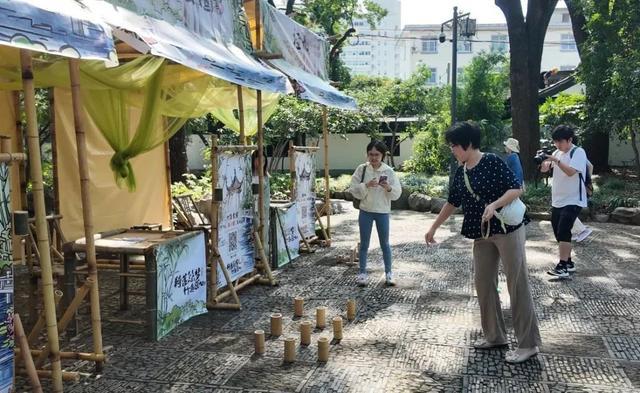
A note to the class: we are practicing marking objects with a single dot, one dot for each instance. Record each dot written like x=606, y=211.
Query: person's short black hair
x=464, y=133
x=379, y=146
x=563, y=132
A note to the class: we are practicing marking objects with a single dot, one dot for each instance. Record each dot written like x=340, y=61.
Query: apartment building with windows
x=379, y=51
x=425, y=49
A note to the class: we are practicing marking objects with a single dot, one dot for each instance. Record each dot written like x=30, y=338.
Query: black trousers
x=562, y=219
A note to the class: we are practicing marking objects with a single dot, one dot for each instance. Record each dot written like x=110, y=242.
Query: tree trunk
x=596, y=144
x=634, y=145
x=578, y=24
x=526, y=39
x=178, y=155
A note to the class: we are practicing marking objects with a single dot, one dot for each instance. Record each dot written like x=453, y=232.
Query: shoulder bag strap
x=364, y=169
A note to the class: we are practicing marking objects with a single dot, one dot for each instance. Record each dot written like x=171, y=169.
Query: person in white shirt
x=568, y=193
x=375, y=184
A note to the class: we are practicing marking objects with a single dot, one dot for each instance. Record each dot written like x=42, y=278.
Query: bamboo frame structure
x=327, y=192
x=87, y=209
x=35, y=163
x=23, y=344
x=241, y=113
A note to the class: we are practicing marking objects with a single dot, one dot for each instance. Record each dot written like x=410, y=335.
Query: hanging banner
x=181, y=282
x=286, y=238
x=235, y=216
x=209, y=36
x=61, y=27
x=6, y=284
x=305, y=193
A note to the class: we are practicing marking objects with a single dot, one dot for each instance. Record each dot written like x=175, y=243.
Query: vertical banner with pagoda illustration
x=305, y=192
x=235, y=217
x=6, y=284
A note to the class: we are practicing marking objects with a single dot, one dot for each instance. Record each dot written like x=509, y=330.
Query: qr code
x=233, y=241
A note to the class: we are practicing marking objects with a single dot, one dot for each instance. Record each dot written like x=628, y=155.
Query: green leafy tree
x=564, y=109
x=609, y=69
x=486, y=86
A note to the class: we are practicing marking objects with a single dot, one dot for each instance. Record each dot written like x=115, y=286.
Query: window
x=460, y=76
x=567, y=43
x=566, y=18
x=429, y=45
x=433, y=78
x=464, y=46
x=499, y=43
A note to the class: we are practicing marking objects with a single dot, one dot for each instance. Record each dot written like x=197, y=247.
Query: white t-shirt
x=565, y=190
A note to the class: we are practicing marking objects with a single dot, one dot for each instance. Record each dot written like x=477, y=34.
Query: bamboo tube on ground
x=337, y=328
x=327, y=192
x=259, y=342
x=87, y=208
x=305, y=333
x=66, y=376
x=323, y=349
x=70, y=355
x=276, y=324
x=321, y=317
x=351, y=309
x=289, y=350
x=35, y=163
x=298, y=306
x=30, y=367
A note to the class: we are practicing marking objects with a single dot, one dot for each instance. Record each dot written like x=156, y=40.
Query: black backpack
x=586, y=179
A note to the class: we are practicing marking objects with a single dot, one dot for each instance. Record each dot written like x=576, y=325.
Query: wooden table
x=126, y=243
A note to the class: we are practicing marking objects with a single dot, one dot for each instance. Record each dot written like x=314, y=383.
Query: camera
x=442, y=38
x=541, y=155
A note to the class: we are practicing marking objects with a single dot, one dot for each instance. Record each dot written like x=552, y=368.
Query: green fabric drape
x=170, y=92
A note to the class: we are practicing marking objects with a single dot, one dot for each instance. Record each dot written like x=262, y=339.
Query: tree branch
x=578, y=24
x=289, y=9
x=335, y=49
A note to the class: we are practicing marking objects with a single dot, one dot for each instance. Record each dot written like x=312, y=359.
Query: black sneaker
x=571, y=267
x=560, y=270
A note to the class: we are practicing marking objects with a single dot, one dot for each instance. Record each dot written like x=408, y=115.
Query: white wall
x=348, y=154
x=194, y=152
x=621, y=152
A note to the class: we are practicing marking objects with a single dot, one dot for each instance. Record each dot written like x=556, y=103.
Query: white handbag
x=511, y=214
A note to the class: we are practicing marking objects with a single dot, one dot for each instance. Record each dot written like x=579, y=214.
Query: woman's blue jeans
x=365, y=221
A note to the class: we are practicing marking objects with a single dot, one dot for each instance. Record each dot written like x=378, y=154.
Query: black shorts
x=562, y=219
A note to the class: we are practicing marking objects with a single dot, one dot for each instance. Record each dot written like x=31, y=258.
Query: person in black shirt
x=496, y=186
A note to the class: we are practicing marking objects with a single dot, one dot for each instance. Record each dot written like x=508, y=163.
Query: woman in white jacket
x=375, y=184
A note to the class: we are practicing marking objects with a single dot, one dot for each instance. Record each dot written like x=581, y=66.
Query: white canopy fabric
x=61, y=27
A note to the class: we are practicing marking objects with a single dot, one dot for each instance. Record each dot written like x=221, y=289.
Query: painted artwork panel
x=287, y=238
x=181, y=282
x=305, y=192
x=7, y=336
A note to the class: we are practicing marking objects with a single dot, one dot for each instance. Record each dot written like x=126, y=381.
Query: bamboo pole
x=292, y=171
x=68, y=355
x=87, y=209
x=54, y=153
x=35, y=163
x=241, y=114
x=67, y=376
x=30, y=367
x=10, y=157
x=167, y=160
x=22, y=172
x=213, y=219
x=37, y=328
x=324, y=232
x=306, y=149
x=236, y=148
x=258, y=19
x=327, y=191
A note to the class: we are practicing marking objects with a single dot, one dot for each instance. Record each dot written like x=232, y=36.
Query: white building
x=379, y=51
x=559, y=50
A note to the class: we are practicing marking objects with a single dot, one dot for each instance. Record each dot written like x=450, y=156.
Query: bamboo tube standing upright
x=327, y=196
x=87, y=209
x=321, y=317
x=276, y=324
x=292, y=170
x=337, y=328
x=289, y=350
x=323, y=349
x=259, y=341
x=298, y=306
x=351, y=309
x=213, y=219
x=41, y=220
x=305, y=333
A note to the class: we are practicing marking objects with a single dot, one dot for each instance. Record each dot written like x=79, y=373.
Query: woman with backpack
x=375, y=185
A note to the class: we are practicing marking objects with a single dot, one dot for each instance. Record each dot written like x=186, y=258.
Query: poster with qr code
x=305, y=192
x=235, y=217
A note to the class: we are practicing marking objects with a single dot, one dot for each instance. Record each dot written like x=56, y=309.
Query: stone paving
x=415, y=337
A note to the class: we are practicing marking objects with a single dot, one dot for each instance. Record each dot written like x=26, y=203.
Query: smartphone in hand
x=382, y=179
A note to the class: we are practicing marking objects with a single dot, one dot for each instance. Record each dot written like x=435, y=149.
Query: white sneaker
x=362, y=280
x=584, y=234
x=389, y=279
